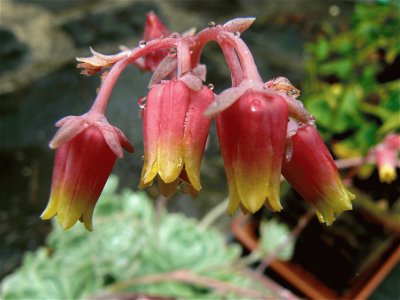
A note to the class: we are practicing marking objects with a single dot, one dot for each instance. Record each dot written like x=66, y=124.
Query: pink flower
x=311, y=170
x=87, y=147
x=175, y=133
x=252, y=134
x=154, y=29
x=386, y=157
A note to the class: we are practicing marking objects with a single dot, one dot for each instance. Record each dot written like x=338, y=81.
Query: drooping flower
x=154, y=28
x=386, y=155
x=87, y=147
x=175, y=133
x=252, y=134
x=311, y=170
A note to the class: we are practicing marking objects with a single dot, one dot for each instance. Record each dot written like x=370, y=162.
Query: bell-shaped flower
x=87, y=147
x=311, y=170
x=175, y=132
x=251, y=130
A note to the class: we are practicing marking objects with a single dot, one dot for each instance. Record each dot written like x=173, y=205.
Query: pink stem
x=233, y=63
x=221, y=36
x=184, y=61
x=245, y=56
x=100, y=104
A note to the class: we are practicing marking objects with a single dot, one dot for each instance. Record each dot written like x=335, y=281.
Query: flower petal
x=195, y=135
x=239, y=24
x=71, y=128
x=192, y=82
x=166, y=67
x=151, y=133
x=174, y=105
x=224, y=100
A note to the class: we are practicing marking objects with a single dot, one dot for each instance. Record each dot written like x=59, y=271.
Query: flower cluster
x=264, y=131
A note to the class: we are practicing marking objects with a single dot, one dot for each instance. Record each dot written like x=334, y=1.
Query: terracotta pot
x=244, y=229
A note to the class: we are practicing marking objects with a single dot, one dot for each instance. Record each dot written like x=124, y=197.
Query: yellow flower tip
x=88, y=224
x=149, y=176
x=51, y=208
x=86, y=218
x=326, y=216
x=387, y=173
x=230, y=210
x=274, y=204
x=48, y=213
x=252, y=205
x=194, y=176
x=66, y=223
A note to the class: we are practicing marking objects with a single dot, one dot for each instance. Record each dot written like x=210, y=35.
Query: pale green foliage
x=127, y=242
x=275, y=239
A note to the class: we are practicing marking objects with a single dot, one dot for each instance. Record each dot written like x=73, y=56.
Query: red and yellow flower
x=252, y=135
x=311, y=170
x=86, y=152
x=175, y=133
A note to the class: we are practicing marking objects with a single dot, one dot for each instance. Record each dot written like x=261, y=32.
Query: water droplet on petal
x=255, y=105
x=142, y=102
x=212, y=24
x=210, y=86
x=174, y=35
x=236, y=34
x=172, y=52
x=143, y=157
x=311, y=120
x=142, y=44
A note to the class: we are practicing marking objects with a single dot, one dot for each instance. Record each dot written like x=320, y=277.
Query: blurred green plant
x=133, y=249
x=346, y=90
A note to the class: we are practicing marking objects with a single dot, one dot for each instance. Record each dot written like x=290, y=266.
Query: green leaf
x=273, y=235
x=341, y=67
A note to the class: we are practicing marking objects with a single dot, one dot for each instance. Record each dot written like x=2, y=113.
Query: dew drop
x=210, y=86
x=143, y=157
x=255, y=105
x=311, y=120
x=172, y=52
x=212, y=24
x=142, y=102
x=236, y=34
x=142, y=44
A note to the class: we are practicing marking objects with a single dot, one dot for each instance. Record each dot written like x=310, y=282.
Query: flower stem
x=221, y=36
x=233, y=63
x=100, y=104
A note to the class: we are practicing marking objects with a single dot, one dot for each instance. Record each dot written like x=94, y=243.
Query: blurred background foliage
x=352, y=84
